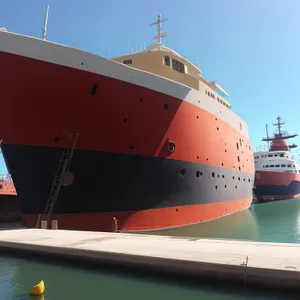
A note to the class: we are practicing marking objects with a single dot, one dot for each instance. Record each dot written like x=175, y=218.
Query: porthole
x=171, y=146
x=94, y=89
x=183, y=172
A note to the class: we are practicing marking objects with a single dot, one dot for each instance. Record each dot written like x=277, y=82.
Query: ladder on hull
x=63, y=166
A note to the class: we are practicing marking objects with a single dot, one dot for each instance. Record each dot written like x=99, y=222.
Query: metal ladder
x=63, y=166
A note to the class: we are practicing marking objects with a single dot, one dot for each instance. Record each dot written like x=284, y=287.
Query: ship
x=153, y=143
x=277, y=173
x=10, y=209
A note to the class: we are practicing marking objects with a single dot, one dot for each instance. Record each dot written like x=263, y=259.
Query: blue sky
x=251, y=47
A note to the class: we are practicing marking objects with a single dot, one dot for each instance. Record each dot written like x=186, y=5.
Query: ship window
x=177, y=66
x=281, y=155
x=270, y=155
x=294, y=166
x=206, y=92
x=277, y=166
x=127, y=61
x=271, y=166
x=289, y=165
x=283, y=166
x=167, y=60
x=275, y=155
x=267, y=166
x=218, y=99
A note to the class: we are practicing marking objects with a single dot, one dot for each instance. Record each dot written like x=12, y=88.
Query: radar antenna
x=159, y=29
x=279, y=124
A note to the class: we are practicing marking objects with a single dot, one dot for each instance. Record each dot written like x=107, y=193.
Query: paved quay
x=270, y=264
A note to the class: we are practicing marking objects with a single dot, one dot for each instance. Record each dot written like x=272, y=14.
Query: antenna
x=45, y=23
x=159, y=29
x=278, y=124
x=267, y=135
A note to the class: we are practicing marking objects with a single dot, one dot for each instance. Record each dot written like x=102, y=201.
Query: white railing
x=6, y=178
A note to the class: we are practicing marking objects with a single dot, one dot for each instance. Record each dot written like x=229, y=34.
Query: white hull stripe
x=66, y=56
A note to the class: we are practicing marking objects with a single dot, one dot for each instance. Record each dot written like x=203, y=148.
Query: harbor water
x=275, y=222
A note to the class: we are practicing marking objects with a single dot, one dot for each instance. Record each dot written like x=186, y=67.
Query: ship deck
x=250, y=263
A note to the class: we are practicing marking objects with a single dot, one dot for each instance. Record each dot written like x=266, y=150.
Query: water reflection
x=63, y=282
x=242, y=225
x=277, y=221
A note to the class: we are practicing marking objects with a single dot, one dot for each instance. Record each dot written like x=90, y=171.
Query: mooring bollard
x=43, y=224
x=115, y=224
x=54, y=224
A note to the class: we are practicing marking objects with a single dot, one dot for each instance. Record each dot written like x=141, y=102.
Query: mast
x=279, y=142
x=267, y=135
x=159, y=29
x=278, y=124
x=44, y=29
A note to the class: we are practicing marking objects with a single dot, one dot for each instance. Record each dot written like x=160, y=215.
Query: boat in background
x=158, y=146
x=277, y=175
x=10, y=208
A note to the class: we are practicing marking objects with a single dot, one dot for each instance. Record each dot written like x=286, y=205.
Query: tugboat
x=276, y=171
x=143, y=141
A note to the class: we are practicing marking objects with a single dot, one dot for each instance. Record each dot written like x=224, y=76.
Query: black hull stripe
x=106, y=182
x=278, y=190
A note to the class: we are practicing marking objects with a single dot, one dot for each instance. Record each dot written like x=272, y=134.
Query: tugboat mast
x=278, y=141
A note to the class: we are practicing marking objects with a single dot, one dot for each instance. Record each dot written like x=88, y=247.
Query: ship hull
x=270, y=186
x=143, y=193
x=122, y=165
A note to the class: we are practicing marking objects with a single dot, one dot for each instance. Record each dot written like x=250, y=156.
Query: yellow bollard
x=38, y=289
x=115, y=220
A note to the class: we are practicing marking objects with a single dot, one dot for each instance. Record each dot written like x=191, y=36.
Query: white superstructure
x=280, y=161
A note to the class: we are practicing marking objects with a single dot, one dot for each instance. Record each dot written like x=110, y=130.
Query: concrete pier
x=268, y=264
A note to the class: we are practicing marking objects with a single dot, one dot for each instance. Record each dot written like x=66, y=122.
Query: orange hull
x=140, y=220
